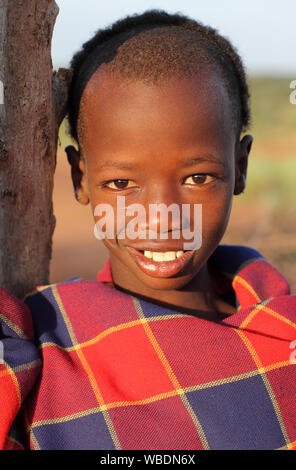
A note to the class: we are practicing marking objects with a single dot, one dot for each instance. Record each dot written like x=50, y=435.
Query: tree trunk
x=34, y=105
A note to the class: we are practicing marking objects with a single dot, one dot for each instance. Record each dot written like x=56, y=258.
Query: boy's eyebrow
x=115, y=164
x=188, y=162
x=205, y=158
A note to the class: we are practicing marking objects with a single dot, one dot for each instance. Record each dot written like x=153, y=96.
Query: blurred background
x=264, y=216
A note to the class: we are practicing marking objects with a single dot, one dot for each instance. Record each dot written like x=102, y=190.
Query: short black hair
x=103, y=47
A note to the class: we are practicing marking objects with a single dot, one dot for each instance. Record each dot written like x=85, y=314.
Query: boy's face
x=172, y=142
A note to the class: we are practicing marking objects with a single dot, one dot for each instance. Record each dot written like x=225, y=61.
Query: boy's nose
x=163, y=209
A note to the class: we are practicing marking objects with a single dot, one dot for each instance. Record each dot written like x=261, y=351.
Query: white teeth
x=163, y=256
x=157, y=256
x=169, y=255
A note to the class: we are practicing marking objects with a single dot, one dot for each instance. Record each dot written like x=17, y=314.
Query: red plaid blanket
x=87, y=366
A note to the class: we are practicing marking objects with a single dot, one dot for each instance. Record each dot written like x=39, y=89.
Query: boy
x=171, y=348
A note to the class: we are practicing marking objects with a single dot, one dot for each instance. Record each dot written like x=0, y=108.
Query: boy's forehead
x=108, y=100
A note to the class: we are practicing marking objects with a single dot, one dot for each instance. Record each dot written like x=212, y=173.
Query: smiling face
x=173, y=142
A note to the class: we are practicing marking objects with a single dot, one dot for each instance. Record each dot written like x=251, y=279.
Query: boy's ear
x=241, y=163
x=78, y=174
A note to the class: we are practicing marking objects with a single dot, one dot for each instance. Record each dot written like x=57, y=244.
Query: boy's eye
x=199, y=179
x=119, y=184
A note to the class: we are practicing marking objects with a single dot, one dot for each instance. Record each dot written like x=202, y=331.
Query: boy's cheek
x=215, y=219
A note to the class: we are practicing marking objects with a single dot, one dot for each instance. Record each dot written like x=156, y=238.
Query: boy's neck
x=199, y=297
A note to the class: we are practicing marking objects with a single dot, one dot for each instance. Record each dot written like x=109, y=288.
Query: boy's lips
x=160, y=268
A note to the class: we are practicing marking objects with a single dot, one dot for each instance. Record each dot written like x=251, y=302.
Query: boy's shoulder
x=248, y=266
x=70, y=293
x=72, y=311
x=233, y=258
x=75, y=287
x=253, y=279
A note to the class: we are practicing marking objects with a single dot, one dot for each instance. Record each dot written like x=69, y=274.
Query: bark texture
x=34, y=106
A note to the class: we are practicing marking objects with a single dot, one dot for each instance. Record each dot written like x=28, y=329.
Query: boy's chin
x=144, y=282
x=164, y=284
